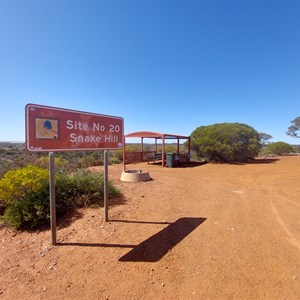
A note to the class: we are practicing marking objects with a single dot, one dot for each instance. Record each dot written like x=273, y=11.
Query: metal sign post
x=52, y=198
x=105, y=185
x=58, y=129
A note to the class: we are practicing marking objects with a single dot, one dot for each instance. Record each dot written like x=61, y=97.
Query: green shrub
x=168, y=148
x=30, y=207
x=114, y=160
x=59, y=163
x=226, y=142
x=32, y=211
x=278, y=148
x=119, y=155
x=89, y=161
x=5, y=166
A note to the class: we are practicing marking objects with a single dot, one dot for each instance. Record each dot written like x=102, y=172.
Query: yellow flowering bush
x=15, y=184
x=24, y=195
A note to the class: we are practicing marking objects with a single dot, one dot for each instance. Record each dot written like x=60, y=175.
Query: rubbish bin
x=171, y=161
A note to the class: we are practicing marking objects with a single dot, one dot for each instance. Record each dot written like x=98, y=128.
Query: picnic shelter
x=157, y=153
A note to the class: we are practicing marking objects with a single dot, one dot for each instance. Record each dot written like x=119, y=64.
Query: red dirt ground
x=213, y=231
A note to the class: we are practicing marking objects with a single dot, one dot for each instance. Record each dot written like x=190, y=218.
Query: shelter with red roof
x=155, y=155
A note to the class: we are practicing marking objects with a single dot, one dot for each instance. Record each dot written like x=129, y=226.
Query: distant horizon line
x=14, y=142
x=23, y=142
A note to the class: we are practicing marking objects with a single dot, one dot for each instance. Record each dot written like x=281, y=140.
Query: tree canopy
x=264, y=138
x=294, y=129
x=226, y=142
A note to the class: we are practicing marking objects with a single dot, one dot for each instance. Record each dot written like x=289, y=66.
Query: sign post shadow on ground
x=155, y=247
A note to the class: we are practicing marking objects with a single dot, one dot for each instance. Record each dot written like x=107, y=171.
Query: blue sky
x=166, y=66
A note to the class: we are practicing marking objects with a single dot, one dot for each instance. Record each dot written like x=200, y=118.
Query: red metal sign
x=57, y=129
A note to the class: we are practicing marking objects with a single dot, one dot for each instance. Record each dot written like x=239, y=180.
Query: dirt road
x=208, y=231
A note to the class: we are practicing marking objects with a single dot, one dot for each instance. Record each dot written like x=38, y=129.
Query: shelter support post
x=124, y=153
x=142, y=150
x=163, y=151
